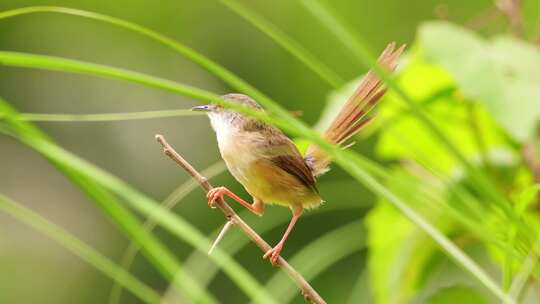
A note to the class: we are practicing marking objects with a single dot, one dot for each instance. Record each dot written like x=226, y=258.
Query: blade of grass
x=176, y=225
x=361, y=290
x=322, y=13
x=520, y=280
x=169, y=203
x=359, y=49
x=351, y=162
x=178, y=47
x=280, y=38
x=80, y=249
x=315, y=257
x=197, y=58
x=211, y=66
x=105, y=116
x=156, y=253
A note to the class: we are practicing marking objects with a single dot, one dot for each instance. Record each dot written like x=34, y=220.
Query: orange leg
x=274, y=252
x=257, y=207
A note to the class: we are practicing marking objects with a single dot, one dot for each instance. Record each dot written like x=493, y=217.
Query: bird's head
x=222, y=118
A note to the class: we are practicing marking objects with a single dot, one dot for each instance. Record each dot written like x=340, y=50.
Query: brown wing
x=282, y=152
x=295, y=166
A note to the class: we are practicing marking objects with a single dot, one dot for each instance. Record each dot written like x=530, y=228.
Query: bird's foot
x=273, y=253
x=214, y=194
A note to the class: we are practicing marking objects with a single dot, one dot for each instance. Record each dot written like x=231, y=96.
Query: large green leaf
x=503, y=73
x=404, y=137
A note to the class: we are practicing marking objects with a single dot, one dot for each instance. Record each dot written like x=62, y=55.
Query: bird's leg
x=257, y=207
x=274, y=252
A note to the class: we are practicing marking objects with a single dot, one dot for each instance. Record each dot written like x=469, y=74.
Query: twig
x=309, y=293
x=529, y=154
x=220, y=236
x=512, y=9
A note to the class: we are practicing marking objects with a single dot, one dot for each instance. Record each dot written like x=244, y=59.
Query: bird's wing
x=282, y=152
x=295, y=166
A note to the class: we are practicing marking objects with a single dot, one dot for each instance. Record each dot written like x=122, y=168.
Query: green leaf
x=404, y=137
x=503, y=74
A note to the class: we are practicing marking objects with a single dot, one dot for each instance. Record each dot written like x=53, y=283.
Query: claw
x=214, y=194
x=273, y=254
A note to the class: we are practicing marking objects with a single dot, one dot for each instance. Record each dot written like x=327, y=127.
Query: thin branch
x=512, y=10
x=309, y=293
x=529, y=154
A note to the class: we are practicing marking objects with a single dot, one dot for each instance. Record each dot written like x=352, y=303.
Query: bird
x=269, y=165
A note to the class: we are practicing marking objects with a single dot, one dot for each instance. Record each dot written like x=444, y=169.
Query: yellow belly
x=273, y=185
x=264, y=180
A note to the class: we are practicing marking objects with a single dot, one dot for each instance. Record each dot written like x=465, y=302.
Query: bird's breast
x=239, y=151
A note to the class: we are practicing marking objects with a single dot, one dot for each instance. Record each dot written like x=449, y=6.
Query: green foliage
x=498, y=73
x=93, y=175
x=450, y=128
x=80, y=249
x=398, y=252
x=400, y=259
x=406, y=137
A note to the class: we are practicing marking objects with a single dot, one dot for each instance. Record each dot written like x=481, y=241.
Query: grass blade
x=80, y=249
x=233, y=243
x=449, y=248
x=315, y=257
x=197, y=58
x=280, y=38
x=361, y=289
x=169, y=203
x=520, y=280
x=148, y=207
x=106, y=116
x=156, y=253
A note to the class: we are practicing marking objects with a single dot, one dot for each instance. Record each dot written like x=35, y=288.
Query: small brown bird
x=268, y=164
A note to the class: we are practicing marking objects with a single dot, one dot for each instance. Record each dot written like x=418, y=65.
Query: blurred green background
x=37, y=270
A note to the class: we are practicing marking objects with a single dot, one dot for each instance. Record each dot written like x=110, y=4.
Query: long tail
x=353, y=115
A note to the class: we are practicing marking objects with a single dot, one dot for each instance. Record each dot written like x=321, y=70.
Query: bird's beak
x=205, y=108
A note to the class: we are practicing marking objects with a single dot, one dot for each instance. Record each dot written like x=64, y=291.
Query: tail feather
x=353, y=115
